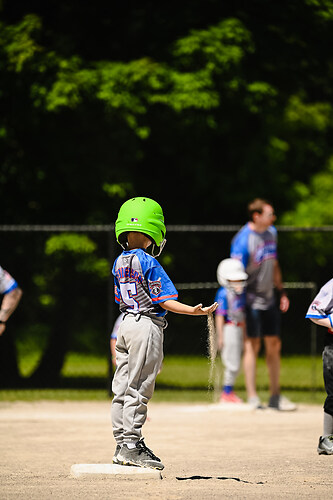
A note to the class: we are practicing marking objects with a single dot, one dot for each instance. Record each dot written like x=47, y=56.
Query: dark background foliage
x=201, y=105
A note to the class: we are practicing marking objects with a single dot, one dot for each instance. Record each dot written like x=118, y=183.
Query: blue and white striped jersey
x=7, y=282
x=322, y=305
x=141, y=283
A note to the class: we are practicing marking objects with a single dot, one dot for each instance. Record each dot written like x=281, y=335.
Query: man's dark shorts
x=263, y=323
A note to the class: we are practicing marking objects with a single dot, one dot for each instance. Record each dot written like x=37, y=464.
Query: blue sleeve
x=160, y=285
x=221, y=299
x=116, y=284
x=239, y=248
x=7, y=282
x=12, y=287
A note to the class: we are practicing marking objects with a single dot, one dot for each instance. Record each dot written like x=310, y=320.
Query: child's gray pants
x=232, y=352
x=139, y=355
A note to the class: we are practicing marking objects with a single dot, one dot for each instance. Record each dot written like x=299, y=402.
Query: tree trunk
x=9, y=373
x=47, y=373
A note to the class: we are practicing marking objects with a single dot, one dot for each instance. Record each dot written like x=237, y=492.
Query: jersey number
x=128, y=292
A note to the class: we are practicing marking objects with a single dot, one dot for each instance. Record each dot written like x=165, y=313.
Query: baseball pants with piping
x=139, y=354
x=232, y=352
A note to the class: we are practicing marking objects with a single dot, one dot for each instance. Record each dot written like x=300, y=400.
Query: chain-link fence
x=60, y=332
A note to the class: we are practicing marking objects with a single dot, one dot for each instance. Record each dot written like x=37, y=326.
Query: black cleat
x=115, y=459
x=325, y=445
x=140, y=456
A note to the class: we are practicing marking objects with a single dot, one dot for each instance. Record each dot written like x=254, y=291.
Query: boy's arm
x=327, y=322
x=177, y=307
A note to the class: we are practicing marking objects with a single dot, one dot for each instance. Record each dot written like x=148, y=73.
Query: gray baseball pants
x=232, y=352
x=139, y=355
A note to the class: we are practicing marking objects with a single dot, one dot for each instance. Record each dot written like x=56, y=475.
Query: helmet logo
x=134, y=219
x=155, y=286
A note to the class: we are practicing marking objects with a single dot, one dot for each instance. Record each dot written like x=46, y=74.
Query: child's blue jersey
x=230, y=305
x=141, y=283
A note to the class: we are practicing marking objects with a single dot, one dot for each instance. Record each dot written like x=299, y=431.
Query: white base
x=113, y=470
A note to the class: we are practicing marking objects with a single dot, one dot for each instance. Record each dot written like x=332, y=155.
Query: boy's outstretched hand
x=204, y=310
x=177, y=307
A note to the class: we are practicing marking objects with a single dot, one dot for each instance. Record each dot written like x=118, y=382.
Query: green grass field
x=182, y=379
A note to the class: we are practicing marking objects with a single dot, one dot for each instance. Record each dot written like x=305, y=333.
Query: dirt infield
x=208, y=452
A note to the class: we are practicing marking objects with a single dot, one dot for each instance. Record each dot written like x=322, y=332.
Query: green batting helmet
x=141, y=215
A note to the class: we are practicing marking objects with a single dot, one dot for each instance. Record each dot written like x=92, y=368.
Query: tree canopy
x=218, y=103
x=201, y=105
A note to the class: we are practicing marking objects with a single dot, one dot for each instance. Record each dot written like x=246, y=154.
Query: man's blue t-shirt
x=257, y=252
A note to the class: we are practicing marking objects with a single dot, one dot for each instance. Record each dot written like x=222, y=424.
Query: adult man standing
x=256, y=246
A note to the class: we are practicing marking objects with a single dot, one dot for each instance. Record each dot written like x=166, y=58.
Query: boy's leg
x=231, y=358
x=325, y=445
x=144, y=341
x=119, y=386
x=327, y=424
x=232, y=351
x=328, y=379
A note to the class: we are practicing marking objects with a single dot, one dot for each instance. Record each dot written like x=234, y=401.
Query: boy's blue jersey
x=141, y=283
x=230, y=305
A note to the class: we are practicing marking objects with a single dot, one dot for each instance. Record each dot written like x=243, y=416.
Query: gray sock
x=327, y=424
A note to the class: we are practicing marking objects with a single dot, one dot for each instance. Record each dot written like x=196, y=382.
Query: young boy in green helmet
x=144, y=293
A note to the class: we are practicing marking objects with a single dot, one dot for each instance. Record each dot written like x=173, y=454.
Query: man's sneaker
x=115, y=459
x=255, y=403
x=325, y=445
x=281, y=403
x=230, y=397
x=140, y=456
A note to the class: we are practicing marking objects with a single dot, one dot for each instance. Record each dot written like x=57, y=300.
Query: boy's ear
x=149, y=238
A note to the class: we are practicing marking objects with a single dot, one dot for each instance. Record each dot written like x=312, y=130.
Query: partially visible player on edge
x=144, y=293
x=11, y=297
x=230, y=323
x=255, y=245
x=321, y=313
x=113, y=339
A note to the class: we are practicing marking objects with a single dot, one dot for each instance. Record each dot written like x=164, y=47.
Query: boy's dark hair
x=257, y=206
